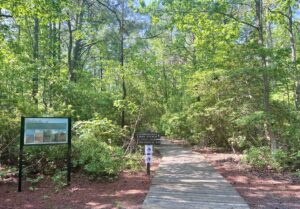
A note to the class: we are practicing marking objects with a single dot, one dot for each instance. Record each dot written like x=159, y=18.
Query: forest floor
x=128, y=191
x=260, y=189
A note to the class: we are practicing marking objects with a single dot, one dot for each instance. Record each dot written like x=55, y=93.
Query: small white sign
x=148, y=149
x=148, y=159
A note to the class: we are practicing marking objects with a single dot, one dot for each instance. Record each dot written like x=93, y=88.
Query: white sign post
x=148, y=156
x=148, y=149
x=148, y=159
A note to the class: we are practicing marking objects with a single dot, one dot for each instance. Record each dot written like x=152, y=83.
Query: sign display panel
x=148, y=138
x=45, y=131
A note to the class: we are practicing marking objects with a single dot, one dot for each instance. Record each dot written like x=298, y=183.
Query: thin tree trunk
x=294, y=57
x=35, y=53
x=70, y=49
x=122, y=62
x=266, y=80
x=59, y=43
x=165, y=83
x=131, y=144
x=78, y=42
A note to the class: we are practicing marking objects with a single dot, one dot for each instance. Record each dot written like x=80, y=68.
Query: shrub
x=102, y=129
x=133, y=162
x=60, y=180
x=95, y=150
x=260, y=157
x=174, y=124
x=44, y=159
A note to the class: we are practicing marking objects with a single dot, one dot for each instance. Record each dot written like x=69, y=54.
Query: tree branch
x=6, y=16
x=224, y=14
x=112, y=11
x=279, y=12
x=236, y=19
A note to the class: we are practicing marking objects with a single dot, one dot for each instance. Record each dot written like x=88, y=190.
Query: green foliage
x=259, y=157
x=8, y=138
x=102, y=129
x=44, y=159
x=262, y=158
x=95, y=148
x=195, y=70
x=7, y=171
x=298, y=173
x=60, y=180
x=175, y=125
x=133, y=162
x=34, y=182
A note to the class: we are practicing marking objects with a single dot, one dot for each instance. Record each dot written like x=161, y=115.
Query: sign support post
x=21, y=155
x=148, y=157
x=69, y=151
x=148, y=169
x=148, y=139
x=45, y=131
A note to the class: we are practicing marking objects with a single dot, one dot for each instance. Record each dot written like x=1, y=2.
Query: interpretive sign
x=148, y=138
x=45, y=131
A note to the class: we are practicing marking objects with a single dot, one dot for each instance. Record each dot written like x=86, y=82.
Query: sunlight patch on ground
x=28, y=206
x=132, y=191
x=74, y=189
x=97, y=205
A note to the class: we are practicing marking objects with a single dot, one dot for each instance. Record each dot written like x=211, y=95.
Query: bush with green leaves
x=100, y=128
x=96, y=148
x=261, y=158
x=34, y=182
x=60, y=180
x=175, y=125
x=44, y=159
x=133, y=161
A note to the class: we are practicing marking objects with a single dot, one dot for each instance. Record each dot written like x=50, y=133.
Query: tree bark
x=35, y=55
x=294, y=56
x=266, y=80
x=71, y=75
x=122, y=62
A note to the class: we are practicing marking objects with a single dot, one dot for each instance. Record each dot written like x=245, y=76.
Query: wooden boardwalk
x=185, y=180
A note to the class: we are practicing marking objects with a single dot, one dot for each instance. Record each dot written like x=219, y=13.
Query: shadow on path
x=185, y=180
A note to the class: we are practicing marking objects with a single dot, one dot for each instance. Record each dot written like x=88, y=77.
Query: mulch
x=128, y=191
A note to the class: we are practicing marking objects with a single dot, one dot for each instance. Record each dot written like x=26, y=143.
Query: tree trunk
x=71, y=75
x=165, y=83
x=266, y=80
x=59, y=43
x=77, y=63
x=122, y=62
x=35, y=55
x=294, y=57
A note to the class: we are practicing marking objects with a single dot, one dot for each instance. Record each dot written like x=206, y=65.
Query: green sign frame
x=45, y=131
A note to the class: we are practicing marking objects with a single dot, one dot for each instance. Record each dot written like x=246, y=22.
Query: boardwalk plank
x=185, y=180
